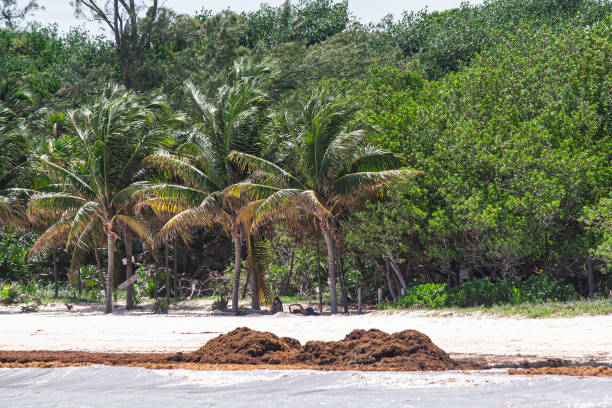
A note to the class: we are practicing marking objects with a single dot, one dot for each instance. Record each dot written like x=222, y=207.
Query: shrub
x=160, y=306
x=220, y=304
x=429, y=295
x=543, y=288
x=483, y=292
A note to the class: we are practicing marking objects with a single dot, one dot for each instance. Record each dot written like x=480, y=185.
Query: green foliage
x=9, y=292
x=444, y=41
x=310, y=21
x=160, y=306
x=513, y=148
x=482, y=292
x=220, y=304
x=53, y=66
x=428, y=295
x=599, y=222
x=14, y=263
x=543, y=288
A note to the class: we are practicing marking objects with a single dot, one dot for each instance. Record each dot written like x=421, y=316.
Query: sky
x=61, y=13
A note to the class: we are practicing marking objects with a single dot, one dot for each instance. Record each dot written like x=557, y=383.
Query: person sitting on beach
x=277, y=305
x=295, y=309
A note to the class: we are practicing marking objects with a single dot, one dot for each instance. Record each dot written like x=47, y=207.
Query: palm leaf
x=75, y=181
x=353, y=182
x=53, y=237
x=377, y=160
x=178, y=167
x=250, y=163
x=53, y=204
x=83, y=218
x=250, y=191
x=135, y=225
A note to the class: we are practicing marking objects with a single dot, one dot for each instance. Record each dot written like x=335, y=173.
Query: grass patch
x=588, y=307
x=295, y=299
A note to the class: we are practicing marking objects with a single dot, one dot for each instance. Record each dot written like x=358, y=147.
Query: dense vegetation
x=310, y=150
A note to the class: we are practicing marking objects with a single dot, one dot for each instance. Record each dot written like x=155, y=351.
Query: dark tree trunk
x=343, y=286
x=329, y=242
x=254, y=292
x=319, y=278
x=287, y=280
x=590, y=276
x=236, y=284
x=175, y=269
x=56, y=290
x=156, y=260
x=129, y=293
x=109, y=278
x=167, y=271
x=399, y=275
x=390, y=281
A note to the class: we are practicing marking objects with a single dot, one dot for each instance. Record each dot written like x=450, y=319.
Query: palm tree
x=232, y=121
x=336, y=169
x=14, y=150
x=114, y=135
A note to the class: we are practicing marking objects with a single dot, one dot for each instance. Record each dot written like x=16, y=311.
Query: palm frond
x=353, y=182
x=250, y=191
x=177, y=193
x=55, y=236
x=45, y=205
x=71, y=178
x=81, y=221
x=340, y=154
x=164, y=207
x=210, y=211
x=372, y=159
x=180, y=168
x=135, y=225
x=250, y=163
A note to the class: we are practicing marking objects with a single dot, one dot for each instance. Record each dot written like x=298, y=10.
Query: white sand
x=501, y=339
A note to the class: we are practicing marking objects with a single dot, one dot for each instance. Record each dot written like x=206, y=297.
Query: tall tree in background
x=14, y=148
x=131, y=24
x=11, y=13
x=336, y=169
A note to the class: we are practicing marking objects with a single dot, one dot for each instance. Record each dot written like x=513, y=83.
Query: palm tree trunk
x=332, y=270
x=55, y=274
x=129, y=294
x=319, y=278
x=109, y=277
x=175, y=269
x=254, y=291
x=236, y=285
x=167, y=276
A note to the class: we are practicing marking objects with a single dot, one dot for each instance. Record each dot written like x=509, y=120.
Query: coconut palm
x=14, y=146
x=232, y=121
x=336, y=169
x=113, y=135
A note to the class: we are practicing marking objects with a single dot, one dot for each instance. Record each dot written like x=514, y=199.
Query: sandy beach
x=493, y=339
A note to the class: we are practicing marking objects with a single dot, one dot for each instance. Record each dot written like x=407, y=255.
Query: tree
x=14, y=149
x=131, y=29
x=336, y=169
x=231, y=122
x=10, y=12
x=113, y=134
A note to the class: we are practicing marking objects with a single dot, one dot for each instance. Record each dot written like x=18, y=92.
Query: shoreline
x=498, y=342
